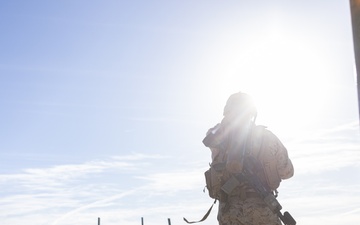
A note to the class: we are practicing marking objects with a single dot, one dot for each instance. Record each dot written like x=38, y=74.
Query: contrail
x=92, y=205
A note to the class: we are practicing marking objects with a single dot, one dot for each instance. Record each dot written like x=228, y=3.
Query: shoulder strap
x=257, y=140
x=204, y=217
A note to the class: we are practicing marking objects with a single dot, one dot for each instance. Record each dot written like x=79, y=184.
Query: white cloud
x=61, y=194
x=122, y=189
x=139, y=156
x=326, y=150
x=98, y=203
x=174, y=180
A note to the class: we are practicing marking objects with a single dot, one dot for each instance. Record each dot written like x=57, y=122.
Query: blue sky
x=105, y=104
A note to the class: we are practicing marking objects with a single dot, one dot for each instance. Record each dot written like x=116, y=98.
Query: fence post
x=142, y=220
x=98, y=220
x=169, y=222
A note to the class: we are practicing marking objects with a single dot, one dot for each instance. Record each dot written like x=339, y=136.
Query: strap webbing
x=205, y=216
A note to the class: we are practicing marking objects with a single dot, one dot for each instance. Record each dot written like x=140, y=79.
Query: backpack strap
x=260, y=140
x=257, y=140
x=204, y=217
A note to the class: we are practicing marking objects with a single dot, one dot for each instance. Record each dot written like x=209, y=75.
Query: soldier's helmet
x=240, y=104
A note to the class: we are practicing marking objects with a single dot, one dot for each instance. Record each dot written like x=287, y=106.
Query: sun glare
x=284, y=75
x=290, y=89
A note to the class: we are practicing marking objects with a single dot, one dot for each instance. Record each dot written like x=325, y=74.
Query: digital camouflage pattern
x=275, y=160
x=238, y=210
x=251, y=211
x=232, y=144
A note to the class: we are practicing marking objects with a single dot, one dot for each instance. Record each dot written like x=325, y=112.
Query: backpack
x=217, y=175
x=215, y=178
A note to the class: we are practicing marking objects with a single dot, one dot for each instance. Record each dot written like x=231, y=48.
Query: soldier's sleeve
x=284, y=165
x=214, y=151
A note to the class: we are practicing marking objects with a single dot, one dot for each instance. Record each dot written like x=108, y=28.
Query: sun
x=283, y=72
x=285, y=76
x=289, y=89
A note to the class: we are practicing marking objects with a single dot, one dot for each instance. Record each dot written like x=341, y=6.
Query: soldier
x=239, y=139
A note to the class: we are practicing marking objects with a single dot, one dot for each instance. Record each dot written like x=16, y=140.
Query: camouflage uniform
x=244, y=206
x=230, y=145
x=250, y=211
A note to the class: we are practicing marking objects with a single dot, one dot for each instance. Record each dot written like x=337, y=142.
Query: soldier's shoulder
x=260, y=127
x=214, y=128
x=263, y=131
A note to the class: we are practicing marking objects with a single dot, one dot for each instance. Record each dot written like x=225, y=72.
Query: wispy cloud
x=65, y=192
x=139, y=156
x=59, y=175
x=327, y=150
x=93, y=204
x=123, y=188
x=325, y=188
